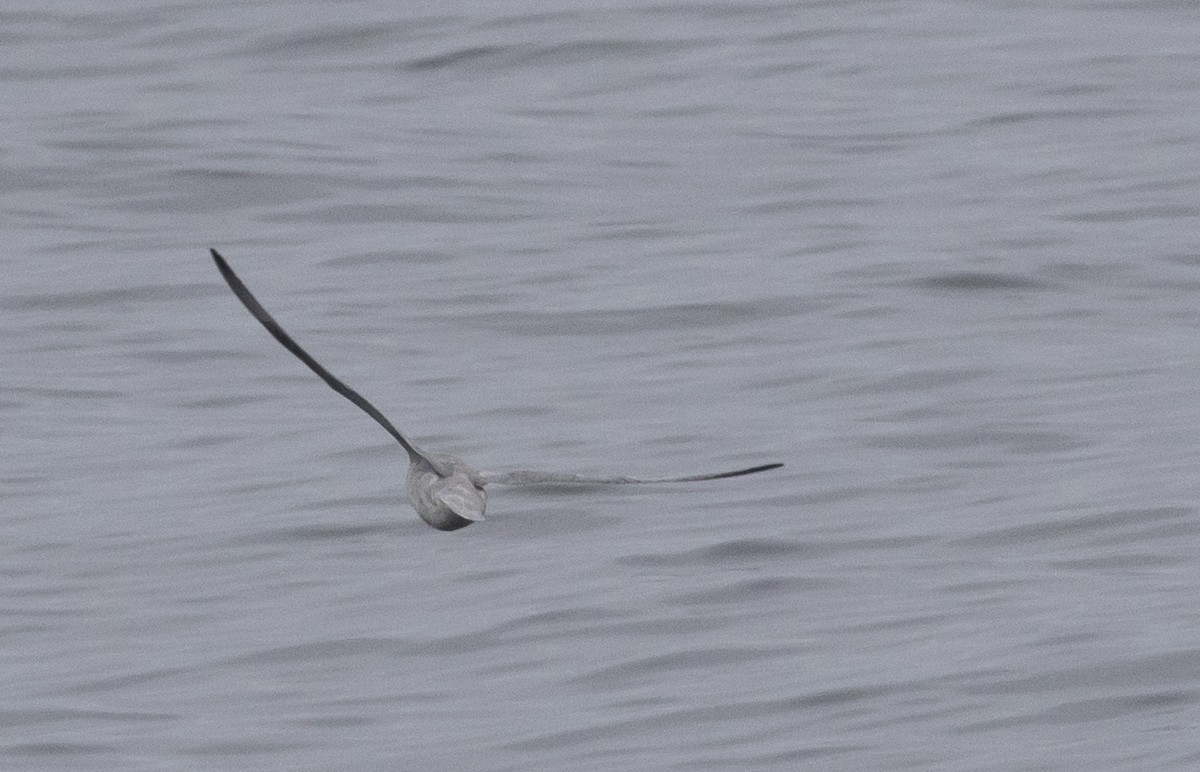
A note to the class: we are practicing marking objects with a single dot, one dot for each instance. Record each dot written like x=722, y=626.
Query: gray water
x=941, y=259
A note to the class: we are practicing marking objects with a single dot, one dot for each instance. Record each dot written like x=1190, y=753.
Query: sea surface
x=940, y=259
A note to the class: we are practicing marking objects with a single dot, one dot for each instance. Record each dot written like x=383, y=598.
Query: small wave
x=978, y=281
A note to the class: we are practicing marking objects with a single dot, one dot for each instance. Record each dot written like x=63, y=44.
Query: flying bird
x=446, y=492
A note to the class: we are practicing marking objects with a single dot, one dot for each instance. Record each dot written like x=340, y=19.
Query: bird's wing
x=258, y=312
x=527, y=477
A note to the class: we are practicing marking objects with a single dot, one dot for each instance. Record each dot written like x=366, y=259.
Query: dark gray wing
x=528, y=477
x=258, y=312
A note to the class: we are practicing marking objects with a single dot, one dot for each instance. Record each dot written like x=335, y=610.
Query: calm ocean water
x=941, y=260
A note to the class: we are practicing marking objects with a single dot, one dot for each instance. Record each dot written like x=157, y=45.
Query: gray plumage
x=445, y=491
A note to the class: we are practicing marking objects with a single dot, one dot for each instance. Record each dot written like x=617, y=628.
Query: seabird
x=447, y=493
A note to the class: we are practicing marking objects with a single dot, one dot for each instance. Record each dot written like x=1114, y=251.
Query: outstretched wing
x=258, y=312
x=527, y=477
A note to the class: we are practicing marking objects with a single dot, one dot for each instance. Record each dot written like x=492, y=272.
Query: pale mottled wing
x=528, y=477
x=266, y=320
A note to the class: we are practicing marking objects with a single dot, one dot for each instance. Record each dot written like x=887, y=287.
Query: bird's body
x=447, y=502
x=446, y=492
